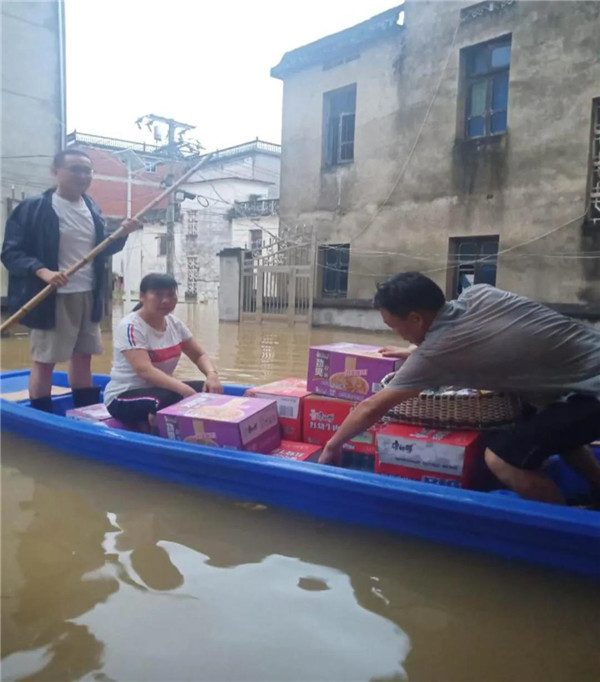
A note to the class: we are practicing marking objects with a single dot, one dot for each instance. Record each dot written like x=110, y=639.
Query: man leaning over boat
x=496, y=340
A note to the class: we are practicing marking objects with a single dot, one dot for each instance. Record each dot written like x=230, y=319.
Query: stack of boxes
x=341, y=375
x=294, y=418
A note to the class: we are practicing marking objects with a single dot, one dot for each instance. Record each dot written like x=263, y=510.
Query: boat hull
x=548, y=535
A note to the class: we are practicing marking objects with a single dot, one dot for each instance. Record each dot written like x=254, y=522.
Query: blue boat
x=565, y=538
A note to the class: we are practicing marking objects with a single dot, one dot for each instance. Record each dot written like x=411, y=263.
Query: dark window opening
x=339, y=113
x=256, y=240
x=473, y=260
x=486, y=73
x=334, y=260
x=162, y=245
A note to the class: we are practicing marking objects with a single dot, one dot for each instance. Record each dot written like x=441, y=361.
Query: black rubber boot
x=86, y=396
x=43, y=404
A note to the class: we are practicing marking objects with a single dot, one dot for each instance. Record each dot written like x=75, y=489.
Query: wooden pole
x=46, y=291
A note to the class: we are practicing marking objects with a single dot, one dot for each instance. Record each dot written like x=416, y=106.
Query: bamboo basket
x=455, y=408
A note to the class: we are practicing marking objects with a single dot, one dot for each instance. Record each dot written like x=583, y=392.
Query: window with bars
x=334, y=260
x=339, y=113
x=474, y=260
x=192, y=223
x=486, y=69
x=193, y=274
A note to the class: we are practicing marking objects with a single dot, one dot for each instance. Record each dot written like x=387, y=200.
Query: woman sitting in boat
x=147, y=345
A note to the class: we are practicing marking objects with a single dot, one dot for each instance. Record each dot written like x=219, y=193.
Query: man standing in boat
x=493, y=339
x=44, y=237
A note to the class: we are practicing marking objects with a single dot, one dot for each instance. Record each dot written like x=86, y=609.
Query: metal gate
x=277, y=282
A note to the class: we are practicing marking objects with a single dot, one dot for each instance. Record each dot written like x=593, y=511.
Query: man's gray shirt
x=493, y=339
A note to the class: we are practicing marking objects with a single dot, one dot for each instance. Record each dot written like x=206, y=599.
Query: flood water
x=110, y=575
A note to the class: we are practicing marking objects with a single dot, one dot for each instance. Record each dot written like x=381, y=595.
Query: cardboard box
x=299, y=452
x=324, y=416
x=348, y=371
x=429, y=455
x=290, y=395
x=358, y=461
x=222, y=421
x=96, y=414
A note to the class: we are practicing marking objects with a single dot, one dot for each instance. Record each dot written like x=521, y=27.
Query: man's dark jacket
x=31, y=242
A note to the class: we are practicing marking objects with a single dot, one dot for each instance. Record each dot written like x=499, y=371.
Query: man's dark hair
x=409, y=292
x=60, y=157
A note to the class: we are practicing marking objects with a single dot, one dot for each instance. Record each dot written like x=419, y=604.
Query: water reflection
x=110, y=575
x=46, y=555
x=178, y=585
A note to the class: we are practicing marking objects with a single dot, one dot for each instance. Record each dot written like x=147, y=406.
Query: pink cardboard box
x=96, y=414
x=349, y=371
x=222, y=421
x=290, y=395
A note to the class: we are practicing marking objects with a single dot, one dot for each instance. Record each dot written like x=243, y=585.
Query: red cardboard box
x=290, y=395
x=429, y=455
x=324, y=416
x=299, y=452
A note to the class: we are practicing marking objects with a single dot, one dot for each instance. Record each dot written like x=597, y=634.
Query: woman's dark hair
x=154, y=281
x=409, y=292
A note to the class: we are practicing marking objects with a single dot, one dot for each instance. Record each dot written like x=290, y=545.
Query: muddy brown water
x=110, y=575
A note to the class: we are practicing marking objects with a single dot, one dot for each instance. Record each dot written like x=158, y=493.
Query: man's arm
x=367, y=413
x=14, y=248
x=130, y=226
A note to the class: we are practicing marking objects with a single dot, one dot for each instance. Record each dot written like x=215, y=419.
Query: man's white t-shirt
x=164, y=349
x=77, y=239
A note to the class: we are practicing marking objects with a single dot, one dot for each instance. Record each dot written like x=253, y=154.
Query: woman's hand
x=212, y=383
x=186, y=391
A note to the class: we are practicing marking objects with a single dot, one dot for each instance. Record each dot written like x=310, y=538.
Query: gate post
x=291, y=296
x=230, y=284
x=260, y=285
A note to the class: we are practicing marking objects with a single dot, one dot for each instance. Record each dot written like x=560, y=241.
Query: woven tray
x=457, y=408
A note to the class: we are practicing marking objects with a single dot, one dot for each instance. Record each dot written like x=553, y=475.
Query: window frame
x=455, y=268
x=333, y=125
x=489, y=77
x=340, y=270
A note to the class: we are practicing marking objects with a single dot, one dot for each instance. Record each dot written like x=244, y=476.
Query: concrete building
x=237, y=185
x=254, y=223
x=33, y=100
x=458, y=139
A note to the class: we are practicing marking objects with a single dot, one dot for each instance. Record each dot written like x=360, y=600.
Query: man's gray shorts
x=74, y=331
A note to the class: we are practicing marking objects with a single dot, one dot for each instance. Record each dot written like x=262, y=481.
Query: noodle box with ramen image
x=323, y=417
x=298, y=452
x=222, y=421
x=349, y=371
x=96, y=414
x=428, y=455
x=290, y=395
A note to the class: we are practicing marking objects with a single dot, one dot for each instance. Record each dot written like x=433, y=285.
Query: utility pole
x=173, y=150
